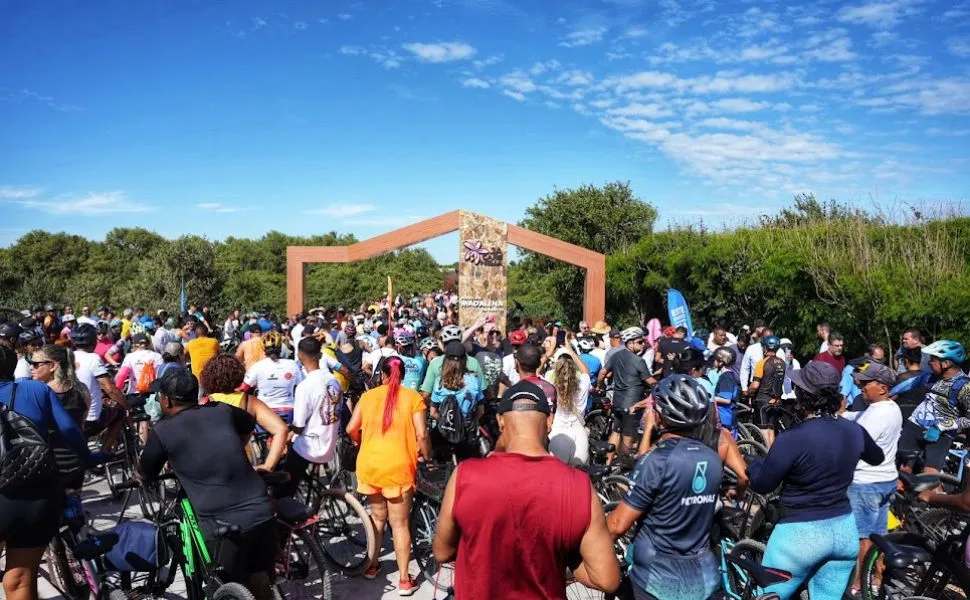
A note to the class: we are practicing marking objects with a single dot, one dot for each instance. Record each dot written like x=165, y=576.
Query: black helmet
x=772, y=342
x=681, y=401
x=84, y=335
x=30, y=336
x=10, y=331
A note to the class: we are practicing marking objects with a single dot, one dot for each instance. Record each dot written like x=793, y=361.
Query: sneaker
x=373, y=571
x=406, y=588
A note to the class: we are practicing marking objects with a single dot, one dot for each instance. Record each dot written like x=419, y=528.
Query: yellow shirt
x=125, y=328
x=234, y=399
x=252, y=351
x=201, y=350
x=343, y=381
x=388, y=459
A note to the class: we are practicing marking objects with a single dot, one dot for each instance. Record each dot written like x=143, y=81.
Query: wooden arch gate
x=297, y=257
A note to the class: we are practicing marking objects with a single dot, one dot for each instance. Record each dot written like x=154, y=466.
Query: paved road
x=99, y=504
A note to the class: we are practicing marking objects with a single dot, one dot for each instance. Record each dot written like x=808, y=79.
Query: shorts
x=251, y=551
x=285, y=413
x=30, y=518
x=626, y=423
x=870, y=506
x=389, y=493
x=934, y=453
x=110, y=415
x=767, y=418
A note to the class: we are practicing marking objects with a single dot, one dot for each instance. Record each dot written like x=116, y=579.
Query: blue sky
x=233, y=118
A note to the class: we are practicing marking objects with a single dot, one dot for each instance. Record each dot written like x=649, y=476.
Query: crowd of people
x=403, y=380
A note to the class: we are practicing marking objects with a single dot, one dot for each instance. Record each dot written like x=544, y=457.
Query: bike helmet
x=272, y=342
x=428, y=343
x=681, y=401
x=450, y=333
x=365, y=340
x=946, y=350
x=404, y=338
x=30, y=336
x=771, y=342
x=725, y=356
x=690, y=358
x=631, y=333
x=10, y=331
x=84, y=335
x=586, y=344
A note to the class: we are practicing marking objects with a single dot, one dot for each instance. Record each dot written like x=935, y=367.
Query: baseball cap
x=815, y=376
x=140, y=338
x=173, y=349
x=871, y=370
x=454, y=348
x=68, y=318
x=614, y=333
x=524, y=396
x=518, y=337
x=178, y=384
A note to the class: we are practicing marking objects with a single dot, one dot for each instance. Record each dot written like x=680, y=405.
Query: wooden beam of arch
x=297, y=257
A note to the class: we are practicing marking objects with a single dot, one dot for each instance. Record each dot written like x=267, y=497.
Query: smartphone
x=560, y=338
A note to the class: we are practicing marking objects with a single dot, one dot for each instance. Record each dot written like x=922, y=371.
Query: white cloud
x=575, y=77
x=353, y=50
x=838, y=50
x=935, y=131
x=441, y=52
x=635, y=32
x=958, y=46
x=345, y=16
x=487, y=62
x=344, y=211
x=218, y=207
x=89, y=204
x=739, y=105
x=475, y=82
x=651, y=111
x=937, y=97
x=583, y=37
x=883, y=14
x=704, y=84
x=514, y=95
x=881, y=39
x=518, y=82
x=541, y=67
x=733, y=124
x=9, y=192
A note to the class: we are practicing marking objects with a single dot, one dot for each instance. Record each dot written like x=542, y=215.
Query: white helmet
x=586, y=344
x=631, y=333
x=450, y=333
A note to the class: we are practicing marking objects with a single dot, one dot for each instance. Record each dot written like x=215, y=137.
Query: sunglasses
x=34, y=364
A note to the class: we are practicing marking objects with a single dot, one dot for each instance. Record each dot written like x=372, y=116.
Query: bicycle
x=150, y=495
x=423, y=519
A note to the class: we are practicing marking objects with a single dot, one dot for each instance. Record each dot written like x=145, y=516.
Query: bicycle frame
x=193, y=544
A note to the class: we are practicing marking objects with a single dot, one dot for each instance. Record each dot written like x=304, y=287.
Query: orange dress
x=388, y=460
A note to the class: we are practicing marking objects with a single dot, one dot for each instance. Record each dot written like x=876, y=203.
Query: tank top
x=521, y=520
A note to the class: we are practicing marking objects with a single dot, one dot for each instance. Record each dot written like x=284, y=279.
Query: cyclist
x=767, y=385
x=449, y=333
x=30, y=342
x=202, y=444
x=414, y=364
x=568, y=439
x=274, y=378
x=816, y=538
x=586, y=346
x=727, y=388
x=456, y=380
x=946, y=408
x=630, y=380
x=133, y=368
x=673, y=500
x=92, y=373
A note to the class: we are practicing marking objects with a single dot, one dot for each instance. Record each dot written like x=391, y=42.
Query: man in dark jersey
x=767, y=386
x=630, y=380
x=674, y=497
x=203, y=443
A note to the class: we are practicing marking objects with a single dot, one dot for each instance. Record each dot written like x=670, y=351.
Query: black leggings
x=30, y=518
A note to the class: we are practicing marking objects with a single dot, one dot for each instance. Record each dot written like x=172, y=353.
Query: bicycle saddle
x=601, y=448
x=898, y=555
x=292, y=510
x=920, y=482
x=763, y=576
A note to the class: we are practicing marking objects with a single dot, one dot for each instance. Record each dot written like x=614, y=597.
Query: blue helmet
x=946, y=350
x=771, y=342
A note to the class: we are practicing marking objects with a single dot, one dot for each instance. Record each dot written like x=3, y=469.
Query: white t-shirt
x=599, y=353
x=296, y=334
x=884, y=422
x=22, y=370
x=274, y=381
x=89, y=367
x=508, y=368
x=372, y=358
x=563, y=418
x=315, y=409
x=161, y=338
x=136, y=361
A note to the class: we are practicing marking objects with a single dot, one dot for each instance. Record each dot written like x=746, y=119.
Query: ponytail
x=393, y=369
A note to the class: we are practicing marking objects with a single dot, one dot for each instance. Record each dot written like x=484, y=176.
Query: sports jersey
x=414, y=367
x=943, y=408
x=770, y=372
x=468, y=397
x=434, y=372
x=629, y=378
x=136, y=361
x=675, y=485
x=592, y=363
x=274, y=381
x=89, y=368
x=491, y=364
x=315, y=410
x=727, y=388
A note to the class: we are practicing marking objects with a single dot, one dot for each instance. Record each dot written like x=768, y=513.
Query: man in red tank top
x=515, y=521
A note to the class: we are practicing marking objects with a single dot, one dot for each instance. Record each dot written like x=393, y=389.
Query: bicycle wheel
x=423, y=520
x=752, y=448
x=233, y=591
x=740, y=580
x=613, y=488
x=598, y=425
x=900, y=584
x=753, y=433
x=303, y=572
x=66, y=572
x=346, y=532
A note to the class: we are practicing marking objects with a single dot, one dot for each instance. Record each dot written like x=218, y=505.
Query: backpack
x=961, y=381
x=146, y=377
x=451, y=423
x=25, y=455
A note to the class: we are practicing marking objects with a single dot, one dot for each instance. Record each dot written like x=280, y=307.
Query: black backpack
x=25, y=455
x=451, y=423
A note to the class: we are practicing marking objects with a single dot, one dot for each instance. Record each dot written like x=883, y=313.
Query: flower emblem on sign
x=475, y=251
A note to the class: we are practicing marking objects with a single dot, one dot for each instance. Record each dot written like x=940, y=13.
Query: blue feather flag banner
x=678, y=312
x=182, y=296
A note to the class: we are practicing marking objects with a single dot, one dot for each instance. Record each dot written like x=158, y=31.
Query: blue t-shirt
x=468, y=396
x=592, y=363
x=414, y=368
x=675, y=485
x=727, y=388
x=816, y=461
x=37, y=402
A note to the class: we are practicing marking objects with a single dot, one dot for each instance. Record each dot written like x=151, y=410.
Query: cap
x=524, y=396
x=614, y=333
x=177, y=384
x=816, y=375
x=454, y=348
x=140, y=338
x=871, y=370
x=669, y=331
x=518, y=337
x=173, y=349
x=68, y=318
